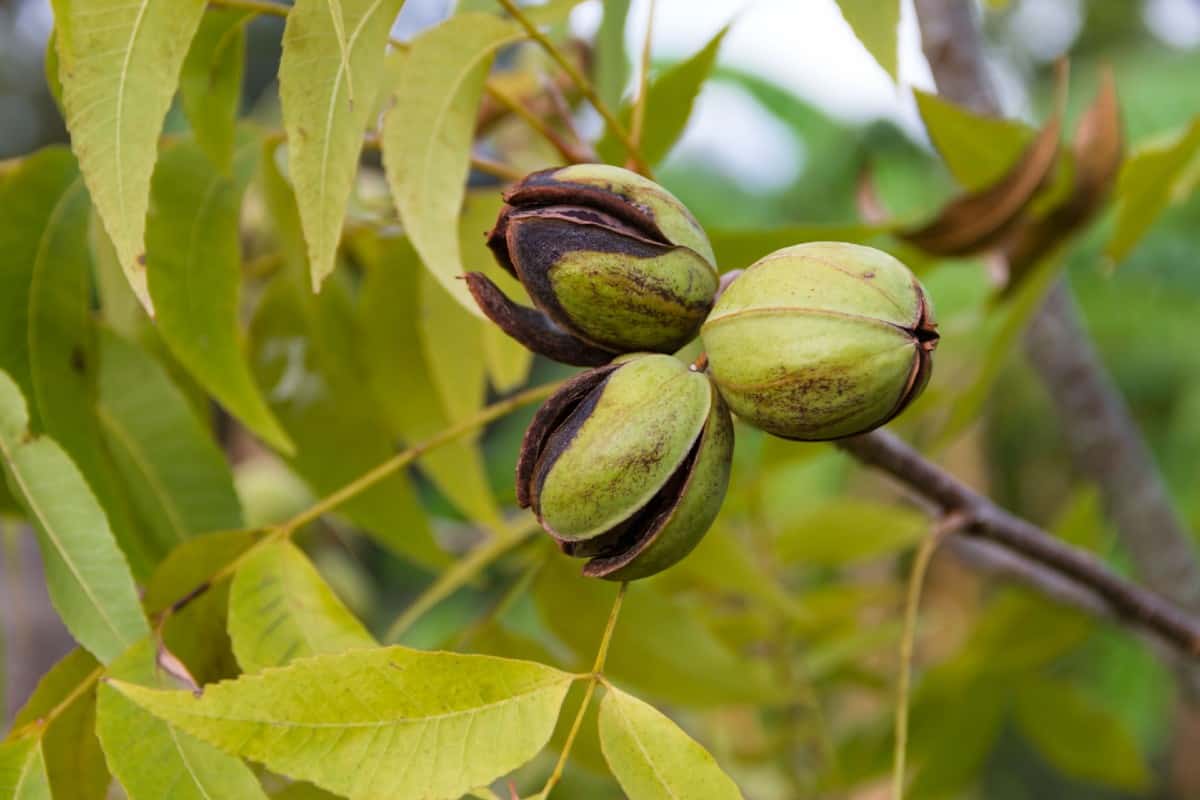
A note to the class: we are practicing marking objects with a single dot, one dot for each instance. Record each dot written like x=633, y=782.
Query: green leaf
x=977, y=149
x=119, y=307
x=46, y=330
x=390, y=722
x=86, y=574
x=210, y=83
x=56, y=686
x=657, y=645
x=306, y=350
x=324, y=118
x=151, y=759
x=23, y=771
x=453, y=343
x=192, y=563
x=652, y=758
x=119, y=62
x=849, y=530
x=670, y=100
x=1149, y=181
x=197, y=635
x=612, y=62
x=176, y=475
x=428, y=133
x=195, y=272
x=398, y=354
x=74, y=760
x=280, y=609
x=955, y=725
x=1057, y=717
x=507, y=360
x=876, y=23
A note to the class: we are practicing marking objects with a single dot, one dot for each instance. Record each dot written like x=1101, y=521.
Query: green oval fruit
x=627, y=465
x=821, y=341
x=613, y=262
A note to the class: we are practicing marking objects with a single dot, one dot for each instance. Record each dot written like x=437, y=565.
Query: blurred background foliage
x=775, y=644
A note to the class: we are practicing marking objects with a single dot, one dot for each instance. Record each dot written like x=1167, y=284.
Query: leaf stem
x=912, y=605
x=39, y=724
x=585, y=86
x=595, y=677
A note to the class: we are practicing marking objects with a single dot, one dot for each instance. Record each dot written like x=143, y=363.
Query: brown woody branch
x=1126, y=600
x=1104, y=441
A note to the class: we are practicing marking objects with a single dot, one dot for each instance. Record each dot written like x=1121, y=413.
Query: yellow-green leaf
x=327, y=48
x=977, y=149
x=176, y=475
x=87, y=576
x=23, y=771
x=652, y=758
x=74, y=760
x=194, y=251
x=280, y=609
x=398, y=354
x=382, y=723
x=119, y=62
x=427, y=135
x=876, y=23
x=210, y=84
x=151, y=759
x=1150, y=178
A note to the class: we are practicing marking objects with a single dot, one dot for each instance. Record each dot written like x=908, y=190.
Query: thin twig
x=578, y=78
x=638, y=116
x=565, y=149
x=1128, y=601
x=912, y=605
x=558, y=101
x=496, y=169
x=593, y=679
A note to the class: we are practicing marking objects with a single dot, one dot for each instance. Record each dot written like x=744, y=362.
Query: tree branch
x=1103, y=439
x=1125, y=599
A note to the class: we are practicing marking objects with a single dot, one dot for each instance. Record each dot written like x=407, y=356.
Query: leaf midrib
x=35, y=508
x=619, y=704
x=343, y=68
x=474, y=710
x=120, y=112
